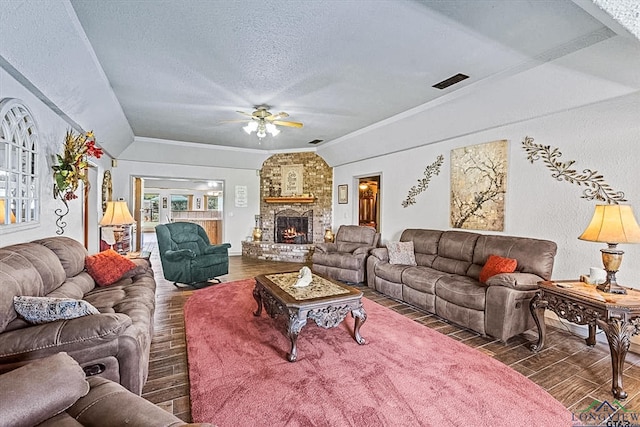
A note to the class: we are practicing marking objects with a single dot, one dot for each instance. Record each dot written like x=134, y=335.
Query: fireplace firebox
x=293, y=227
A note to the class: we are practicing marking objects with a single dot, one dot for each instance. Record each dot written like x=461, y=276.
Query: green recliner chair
x=187, y=255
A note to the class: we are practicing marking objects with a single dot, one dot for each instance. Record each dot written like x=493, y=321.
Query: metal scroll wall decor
x=423, y=184
x=596, y=187
x=478, y=186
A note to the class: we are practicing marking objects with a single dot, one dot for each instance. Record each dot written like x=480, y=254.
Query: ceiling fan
x=262, y=121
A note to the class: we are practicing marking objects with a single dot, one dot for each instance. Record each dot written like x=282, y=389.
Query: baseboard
x=583, y=331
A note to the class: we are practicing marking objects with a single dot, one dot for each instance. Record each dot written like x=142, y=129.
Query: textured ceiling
x=627, y=12
x=179, y=68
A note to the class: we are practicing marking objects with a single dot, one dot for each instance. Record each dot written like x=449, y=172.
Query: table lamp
x=612, y=224
x=117, y=214
x=12, y=217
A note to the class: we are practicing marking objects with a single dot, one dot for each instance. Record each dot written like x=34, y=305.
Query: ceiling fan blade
x=280, y=115
x=234, y=121
x=288, y=124
x=244, y=113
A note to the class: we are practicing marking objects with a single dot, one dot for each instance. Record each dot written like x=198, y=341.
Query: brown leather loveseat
x=113, y=344
x=445, y=279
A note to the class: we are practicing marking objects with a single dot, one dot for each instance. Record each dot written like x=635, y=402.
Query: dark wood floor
x=571, y=372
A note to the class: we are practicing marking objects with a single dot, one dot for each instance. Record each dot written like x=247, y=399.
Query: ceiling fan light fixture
x=262, y=130
x=272, y=129
x=264, y=123
x=252, y=126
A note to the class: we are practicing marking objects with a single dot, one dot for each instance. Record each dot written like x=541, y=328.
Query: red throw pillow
x=495, y=265
x=108, y=266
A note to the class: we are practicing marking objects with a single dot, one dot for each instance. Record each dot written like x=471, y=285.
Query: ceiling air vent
x=316, y=141
x=450, y=81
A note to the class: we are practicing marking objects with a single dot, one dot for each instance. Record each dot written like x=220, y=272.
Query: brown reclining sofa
x=445, y=279
x=114, y=344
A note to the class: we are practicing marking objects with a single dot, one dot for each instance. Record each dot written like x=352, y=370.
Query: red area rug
x=405, y=374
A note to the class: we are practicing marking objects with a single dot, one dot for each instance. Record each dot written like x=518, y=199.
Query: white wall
x=51, y=130
x=238, y=222
x=603, y=136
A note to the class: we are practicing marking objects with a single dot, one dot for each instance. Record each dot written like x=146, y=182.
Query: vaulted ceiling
x=180, y=69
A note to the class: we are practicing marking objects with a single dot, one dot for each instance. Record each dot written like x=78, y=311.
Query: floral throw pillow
x=108, y=267
x=401, y=253
x=495, y=265
x=39, y=310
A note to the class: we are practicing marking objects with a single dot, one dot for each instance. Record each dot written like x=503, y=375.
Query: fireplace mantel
x=291, y=199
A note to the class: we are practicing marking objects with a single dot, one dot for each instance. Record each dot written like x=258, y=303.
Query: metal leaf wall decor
x=432, y=169
x=597, y=188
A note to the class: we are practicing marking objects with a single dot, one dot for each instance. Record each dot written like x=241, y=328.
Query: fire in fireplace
x=293, y=227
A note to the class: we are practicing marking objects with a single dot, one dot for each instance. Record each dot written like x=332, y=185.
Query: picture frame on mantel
x=343, y=194
x=292, y=180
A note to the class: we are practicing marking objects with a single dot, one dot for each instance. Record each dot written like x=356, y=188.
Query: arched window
x=19, y=184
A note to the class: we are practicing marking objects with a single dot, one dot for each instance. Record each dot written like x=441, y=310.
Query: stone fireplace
x=292, y=223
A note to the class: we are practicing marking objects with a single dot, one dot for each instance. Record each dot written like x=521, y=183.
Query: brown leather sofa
x=114, y=344
x=346, y=258
x=53, y=391
x=445, y=279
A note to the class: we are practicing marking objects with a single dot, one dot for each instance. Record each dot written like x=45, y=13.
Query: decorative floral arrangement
x=72, y=164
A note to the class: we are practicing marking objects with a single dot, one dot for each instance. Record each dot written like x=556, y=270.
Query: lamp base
x=611, y=288
x=611, y=259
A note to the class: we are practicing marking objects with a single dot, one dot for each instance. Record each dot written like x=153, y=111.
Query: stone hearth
x=270, y=251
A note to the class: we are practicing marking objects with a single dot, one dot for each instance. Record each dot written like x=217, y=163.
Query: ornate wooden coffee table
x=325, y=301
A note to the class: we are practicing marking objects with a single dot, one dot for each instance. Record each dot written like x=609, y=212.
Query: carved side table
x=325, y=301
x=580, y=303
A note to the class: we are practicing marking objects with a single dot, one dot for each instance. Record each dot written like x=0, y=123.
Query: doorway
x=368, y=201
x=163, y=200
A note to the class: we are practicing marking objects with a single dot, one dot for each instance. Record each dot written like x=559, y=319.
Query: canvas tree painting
x=478, y=186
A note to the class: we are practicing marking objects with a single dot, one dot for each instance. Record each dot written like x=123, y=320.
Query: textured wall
x=602, y=137
x=317, y=179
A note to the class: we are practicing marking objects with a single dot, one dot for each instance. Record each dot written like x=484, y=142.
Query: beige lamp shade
x=12, y=217
x=612, y=224
x=117, y=213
